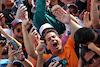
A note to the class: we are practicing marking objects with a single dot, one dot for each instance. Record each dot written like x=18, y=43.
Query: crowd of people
x=50, y=33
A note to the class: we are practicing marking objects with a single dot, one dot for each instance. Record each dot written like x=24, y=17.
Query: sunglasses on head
x=96, y=56
x=18, y=30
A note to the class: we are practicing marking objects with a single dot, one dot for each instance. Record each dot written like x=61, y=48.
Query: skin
x=20, y=34
x=8, y=3
x=88, y=56
x=53, y=38
x=71, y=9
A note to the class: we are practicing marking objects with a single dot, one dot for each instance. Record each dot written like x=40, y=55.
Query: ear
x=3, y=19
x=47, y=47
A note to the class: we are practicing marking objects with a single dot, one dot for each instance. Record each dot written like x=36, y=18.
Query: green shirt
x=42, y=15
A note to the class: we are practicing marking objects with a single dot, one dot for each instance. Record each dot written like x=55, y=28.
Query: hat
x=45, y=26
x=15, y=22
x=72, y=5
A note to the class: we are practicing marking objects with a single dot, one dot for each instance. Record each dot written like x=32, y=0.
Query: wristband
x=10, y=62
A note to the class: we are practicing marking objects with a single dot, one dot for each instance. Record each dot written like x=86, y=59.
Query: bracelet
x=10, y=62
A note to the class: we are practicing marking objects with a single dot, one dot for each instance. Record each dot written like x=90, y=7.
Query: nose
x=95, y=60
x=52, y=39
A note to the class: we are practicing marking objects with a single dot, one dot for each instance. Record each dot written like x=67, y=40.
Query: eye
x=53, y=36
x=48, y=39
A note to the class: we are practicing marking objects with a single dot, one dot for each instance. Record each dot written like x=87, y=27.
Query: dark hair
x=84, y=35
x=47, y=31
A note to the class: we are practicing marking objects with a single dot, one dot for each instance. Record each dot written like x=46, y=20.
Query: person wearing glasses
x=90, y=58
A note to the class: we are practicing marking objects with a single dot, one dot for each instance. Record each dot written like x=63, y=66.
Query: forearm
x=96, y=49
x=95, y=14
x=27, y=63
x=28, y=45
x=73, y=25
x=10, y=37
x=40, y=61
x=80, y=62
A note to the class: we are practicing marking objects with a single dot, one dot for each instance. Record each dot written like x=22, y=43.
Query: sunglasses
x=18, y=30
x=74, y=11
x=98, y=7
x=96, y=56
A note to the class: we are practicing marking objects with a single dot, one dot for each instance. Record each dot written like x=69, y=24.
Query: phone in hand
x=18, y=2
x=13, y=45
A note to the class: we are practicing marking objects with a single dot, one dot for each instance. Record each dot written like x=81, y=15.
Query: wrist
x=10, y=62
x=22, y=59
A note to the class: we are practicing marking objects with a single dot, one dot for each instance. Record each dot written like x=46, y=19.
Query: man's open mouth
x=54, y=44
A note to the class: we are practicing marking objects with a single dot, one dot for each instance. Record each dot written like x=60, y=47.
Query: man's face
x=92, y=59
x=18, y=30
x=8, y=2
x=53, y=42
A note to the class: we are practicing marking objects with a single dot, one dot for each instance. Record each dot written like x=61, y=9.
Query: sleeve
x=70, y=43
x=47, y=56
x=39, y=15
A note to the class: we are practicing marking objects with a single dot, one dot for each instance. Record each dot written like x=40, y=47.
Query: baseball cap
x=15, y=22
x=72, y=5
x=45, y=26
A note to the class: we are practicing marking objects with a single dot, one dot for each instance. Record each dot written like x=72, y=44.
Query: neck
x=58, y=52
x=9, y=6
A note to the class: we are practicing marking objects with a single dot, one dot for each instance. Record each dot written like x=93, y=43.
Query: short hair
x=48, y=31
x=84, y=35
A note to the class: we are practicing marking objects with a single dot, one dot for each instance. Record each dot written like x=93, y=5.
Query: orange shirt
x=69, y=54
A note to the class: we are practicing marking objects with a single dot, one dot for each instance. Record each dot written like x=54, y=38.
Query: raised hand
x=34, y=36
x=62, y=11
x=86, y=20
x=19, y=54
x=40, y=49
x=22, y=12
x=26, y=24
x=11, y=54
x=81, y=15
x=2, y=47
x=61, y=16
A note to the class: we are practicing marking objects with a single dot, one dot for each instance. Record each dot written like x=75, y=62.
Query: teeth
x=54, y=44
